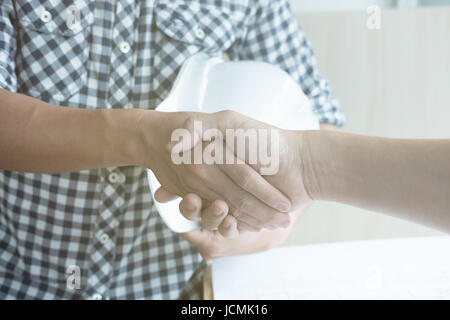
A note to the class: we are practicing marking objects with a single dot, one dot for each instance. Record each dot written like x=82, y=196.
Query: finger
x=214, y=215
x=215, y=184
x=242, y=203
x=244, y=227
x=253, y=223
x=228, y=228
x=162, y=195
x=191, y=206
x=250, y=180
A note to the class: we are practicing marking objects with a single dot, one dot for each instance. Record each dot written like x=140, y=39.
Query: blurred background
x=393, y=81
x=349, y=5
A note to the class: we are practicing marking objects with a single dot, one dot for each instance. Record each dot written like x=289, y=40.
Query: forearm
x=43, y=138
x=406, y=178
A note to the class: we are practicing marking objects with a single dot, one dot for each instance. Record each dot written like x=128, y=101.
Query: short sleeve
x=274, y=36
x=8, y=78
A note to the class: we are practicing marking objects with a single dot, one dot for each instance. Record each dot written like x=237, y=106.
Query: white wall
x=352, y=5
x=337, y=5
x=391, y=82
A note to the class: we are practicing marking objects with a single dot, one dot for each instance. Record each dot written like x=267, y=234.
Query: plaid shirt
x=101, y=224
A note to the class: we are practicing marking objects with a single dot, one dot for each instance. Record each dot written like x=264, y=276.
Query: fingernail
x=190, y=207
x=217, y=212
x=227, y=225
x=282, y=206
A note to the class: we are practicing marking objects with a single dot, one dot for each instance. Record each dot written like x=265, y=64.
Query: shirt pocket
x=185, y=28
x=212, y=27
x=53, y=47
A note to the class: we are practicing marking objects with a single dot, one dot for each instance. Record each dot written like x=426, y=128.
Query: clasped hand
x=231, y=198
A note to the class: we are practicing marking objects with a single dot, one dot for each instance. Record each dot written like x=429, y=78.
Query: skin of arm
x=407, y=178
x=42, y=138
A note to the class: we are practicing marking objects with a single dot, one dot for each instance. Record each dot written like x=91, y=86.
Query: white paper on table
x=414, y=268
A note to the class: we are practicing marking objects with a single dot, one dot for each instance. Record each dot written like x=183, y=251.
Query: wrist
x=311, y=163
x=122, y=135
x=153, y=130
x=326, y=170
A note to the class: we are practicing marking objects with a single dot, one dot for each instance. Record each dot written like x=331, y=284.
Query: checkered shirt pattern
x=120, y=54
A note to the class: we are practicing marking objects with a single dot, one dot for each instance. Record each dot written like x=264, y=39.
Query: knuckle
x=258, y=225
x=190, y=120
x=213, y=222
x=208, y=224
x=217, y=205
x=198, y=171
x=226, y=113
x=236, y=214
x=245, y=179
x=224, y=232
x=227, y=227
x=183, y=185
x=242, y=204
x=193, y=186
x=243, y=227
x=190, y=215
x=277, y=218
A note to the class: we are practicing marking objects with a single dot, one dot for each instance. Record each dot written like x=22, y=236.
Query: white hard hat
x=256, y=89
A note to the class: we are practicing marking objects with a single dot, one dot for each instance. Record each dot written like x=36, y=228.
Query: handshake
x=234, y=178
x=235, y=174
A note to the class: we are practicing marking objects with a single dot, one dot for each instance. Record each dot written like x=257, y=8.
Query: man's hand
x=213, y=217
x=213, y=243
x=259, y=203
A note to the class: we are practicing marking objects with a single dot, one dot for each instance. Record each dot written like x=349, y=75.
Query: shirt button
x=124, y=47
x=97, y=296
x=115, y=177
x=199, y=33
x=46, y=16
x=104, y=238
